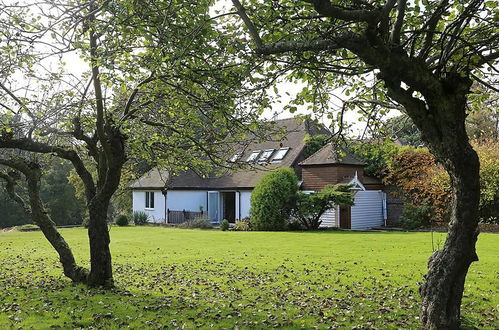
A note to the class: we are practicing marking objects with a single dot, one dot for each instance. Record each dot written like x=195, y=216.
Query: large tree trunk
x=443, y=288
x=101, y=270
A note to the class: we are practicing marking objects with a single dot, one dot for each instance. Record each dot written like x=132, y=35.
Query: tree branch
x=249, y=24
x=395, y=35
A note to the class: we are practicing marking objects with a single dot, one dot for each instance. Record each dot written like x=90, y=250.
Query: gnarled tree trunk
x=40, y=217
x=443, y=288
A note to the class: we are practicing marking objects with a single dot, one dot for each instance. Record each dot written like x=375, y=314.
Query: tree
x=310, y=207
x=273, y=199
x=36, y=210
x=154, y=85
x=423, y=57
x=402, y=128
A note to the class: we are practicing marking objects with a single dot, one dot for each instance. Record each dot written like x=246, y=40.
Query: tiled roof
x=245, y=178
x=328, y=155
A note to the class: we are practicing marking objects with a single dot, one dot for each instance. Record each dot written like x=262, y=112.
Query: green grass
x=193, y=278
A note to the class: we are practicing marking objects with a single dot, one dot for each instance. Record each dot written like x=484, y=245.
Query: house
x=227, y=196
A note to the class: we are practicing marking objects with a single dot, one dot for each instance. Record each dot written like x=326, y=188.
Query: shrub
x=421, y=181
x=85, y=222
x=416, y=216
x=122, y=220
x=243, y=224
x=488, y=151
x=198, y=223
x=310, y=207
x=295, y=225
x=224, y=225
x=273, y=199
x=140, y=218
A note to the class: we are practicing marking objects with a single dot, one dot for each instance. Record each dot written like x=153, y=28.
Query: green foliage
x=198, y=223
x=140, y=218
x=273, y=199
x=224, y=225
x=122, y=220
x=156, y=265
x=314, y=142
x=85, y=223
x=402, y=128
x=310, y=207
x=414, y=217
x=488, y=151
x=377, y=156
x=242, y=225
x=57, y=194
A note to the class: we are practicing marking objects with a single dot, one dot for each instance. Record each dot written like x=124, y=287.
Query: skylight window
x=236, y=156
x=253, y=156
x=264, y=157
x=280, y=154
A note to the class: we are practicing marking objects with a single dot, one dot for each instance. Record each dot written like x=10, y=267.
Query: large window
x=253, y=156
x=149, y=199
x=280, y=154
x=264, y=157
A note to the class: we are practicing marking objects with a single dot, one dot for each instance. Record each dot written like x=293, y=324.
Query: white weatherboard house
x=173, y=200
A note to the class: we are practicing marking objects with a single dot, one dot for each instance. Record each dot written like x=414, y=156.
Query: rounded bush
x=273, y=199
x=122, y=220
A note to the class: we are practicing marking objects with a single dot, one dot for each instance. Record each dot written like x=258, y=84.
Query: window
x=265, y=155
x=280, y=154
x=236, y=156
x=149, y=199
x=253, y=156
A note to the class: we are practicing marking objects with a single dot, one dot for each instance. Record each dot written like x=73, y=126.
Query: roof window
x=235, y=157
x=280, y=154
x=264, y=157
x=253, y=156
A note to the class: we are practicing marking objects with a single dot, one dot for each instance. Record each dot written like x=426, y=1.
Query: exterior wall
x=245, y=199
x=316, y=177
x=189, y=200
x=368, y=209
x=139, y=204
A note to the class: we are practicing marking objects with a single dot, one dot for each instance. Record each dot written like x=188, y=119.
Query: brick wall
x=316, y=177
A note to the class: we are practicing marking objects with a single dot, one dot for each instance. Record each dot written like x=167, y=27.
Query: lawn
x=193, y=278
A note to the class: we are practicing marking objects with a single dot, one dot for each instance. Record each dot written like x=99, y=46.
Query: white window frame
x=148, y=200
x=236, y=157
x=266, y=159
x=275, y=159
x=253, y=156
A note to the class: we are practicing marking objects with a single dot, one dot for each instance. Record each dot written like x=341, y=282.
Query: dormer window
x=253, y=156
x=280, y=154
x=236, y=156
x=264, y=157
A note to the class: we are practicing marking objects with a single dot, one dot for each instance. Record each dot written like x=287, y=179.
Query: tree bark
x=40, y=217
x=443, y=288
x=101, y=270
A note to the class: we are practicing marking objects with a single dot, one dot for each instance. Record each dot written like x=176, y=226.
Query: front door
x=345, y=217
x=229, y=206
